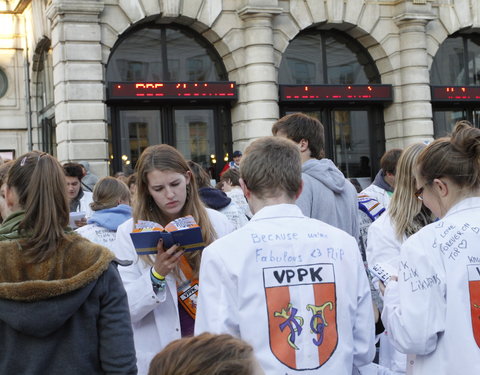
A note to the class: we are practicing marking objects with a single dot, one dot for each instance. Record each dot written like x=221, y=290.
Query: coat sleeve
x=382, y=244
x=116, y=347
x=136, y=278
x=217, y=307
x=414, y=307
x=363, y=324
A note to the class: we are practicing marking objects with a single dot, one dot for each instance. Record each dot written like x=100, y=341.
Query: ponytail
x=39, y=182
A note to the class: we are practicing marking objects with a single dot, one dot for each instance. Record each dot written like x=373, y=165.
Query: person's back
x=433, y=309
x=381, y=189
x=110, y=206
x=62, y=305
x=327, y=195
x=215, y=198
x=230, y=184
x=296, y=288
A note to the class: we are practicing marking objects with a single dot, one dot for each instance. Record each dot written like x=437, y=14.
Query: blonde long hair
x=166, y=158
x=406, y=211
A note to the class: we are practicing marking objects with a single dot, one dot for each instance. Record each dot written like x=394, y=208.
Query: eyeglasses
x=419, y=192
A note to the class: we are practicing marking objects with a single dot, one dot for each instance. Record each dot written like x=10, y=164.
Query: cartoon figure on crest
x=301, y=307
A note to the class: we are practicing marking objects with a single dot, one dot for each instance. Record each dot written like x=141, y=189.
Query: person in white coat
x=111, y=207
x=162, y=288
x=230, y=183
x=216, y=198
x=293, y=287
x=383, y=184
x=433, y=310
x=78, y=199
x=405, y=216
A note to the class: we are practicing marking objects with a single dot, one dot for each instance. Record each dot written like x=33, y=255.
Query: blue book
x=183, y=231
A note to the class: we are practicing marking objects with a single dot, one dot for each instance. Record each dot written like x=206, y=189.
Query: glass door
x=200, y=134
x=138, y=130
x=195, y=136
x=351, y=142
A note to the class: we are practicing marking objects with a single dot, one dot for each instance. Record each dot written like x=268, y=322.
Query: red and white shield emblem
x=301, y=305
x=474, y=288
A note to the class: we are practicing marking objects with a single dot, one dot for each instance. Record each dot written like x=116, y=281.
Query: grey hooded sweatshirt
x=328, y=196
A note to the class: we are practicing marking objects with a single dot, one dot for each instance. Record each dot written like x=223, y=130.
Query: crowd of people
x=299, y=273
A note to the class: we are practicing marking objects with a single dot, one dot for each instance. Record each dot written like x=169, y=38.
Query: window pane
x=347, y=62
x=158, y=53
x=137, y=58
x=302, y=61
x=443, y=121
x=473, y=61
x=343, y=64
x=448, y=66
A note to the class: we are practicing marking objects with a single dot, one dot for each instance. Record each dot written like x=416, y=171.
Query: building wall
x=250, y=36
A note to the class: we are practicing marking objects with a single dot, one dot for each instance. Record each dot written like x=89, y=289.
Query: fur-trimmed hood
x=39, y=298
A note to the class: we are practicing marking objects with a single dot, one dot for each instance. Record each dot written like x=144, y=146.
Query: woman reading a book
x=162, y=287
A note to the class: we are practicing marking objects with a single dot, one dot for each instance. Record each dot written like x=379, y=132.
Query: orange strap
x=187, y=288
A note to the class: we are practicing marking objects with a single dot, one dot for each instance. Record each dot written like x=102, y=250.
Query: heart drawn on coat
x=462, y=244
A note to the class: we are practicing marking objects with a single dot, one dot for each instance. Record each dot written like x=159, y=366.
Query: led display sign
x=172, y=90
x=455, y=93
x=378, y=93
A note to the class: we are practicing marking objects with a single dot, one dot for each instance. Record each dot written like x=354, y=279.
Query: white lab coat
x=248, y=279
x=377, y=193
x=155, y=317
x=98, y=234
x=84, y=205
x=236, y=194
x=383, y=247
x=428, y=312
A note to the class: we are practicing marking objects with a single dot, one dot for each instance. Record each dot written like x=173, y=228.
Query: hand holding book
x=166, y=259
x=183, y=231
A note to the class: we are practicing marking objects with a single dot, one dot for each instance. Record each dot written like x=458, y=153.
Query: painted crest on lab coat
x=474, y=289
x=301, y=307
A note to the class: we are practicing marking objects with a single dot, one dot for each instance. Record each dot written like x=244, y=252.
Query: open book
x=184, y=231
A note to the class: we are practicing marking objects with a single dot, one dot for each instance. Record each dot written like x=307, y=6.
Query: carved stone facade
x=402, y=37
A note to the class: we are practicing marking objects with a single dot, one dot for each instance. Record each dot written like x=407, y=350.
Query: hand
x=81, y=222
x=167, y=260
x=382, y=286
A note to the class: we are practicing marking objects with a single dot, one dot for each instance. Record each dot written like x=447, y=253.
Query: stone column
x=257, y=108
x=414, y=89
x=78, y=83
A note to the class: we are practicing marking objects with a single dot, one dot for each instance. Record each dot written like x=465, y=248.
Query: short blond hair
x=272, y=166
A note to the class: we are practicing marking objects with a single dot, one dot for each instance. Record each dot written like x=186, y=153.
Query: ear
x=188, y=176
x=300, y=189
x=441, y=187
x=245, y=189
x=11, y=197
x=303, y=144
